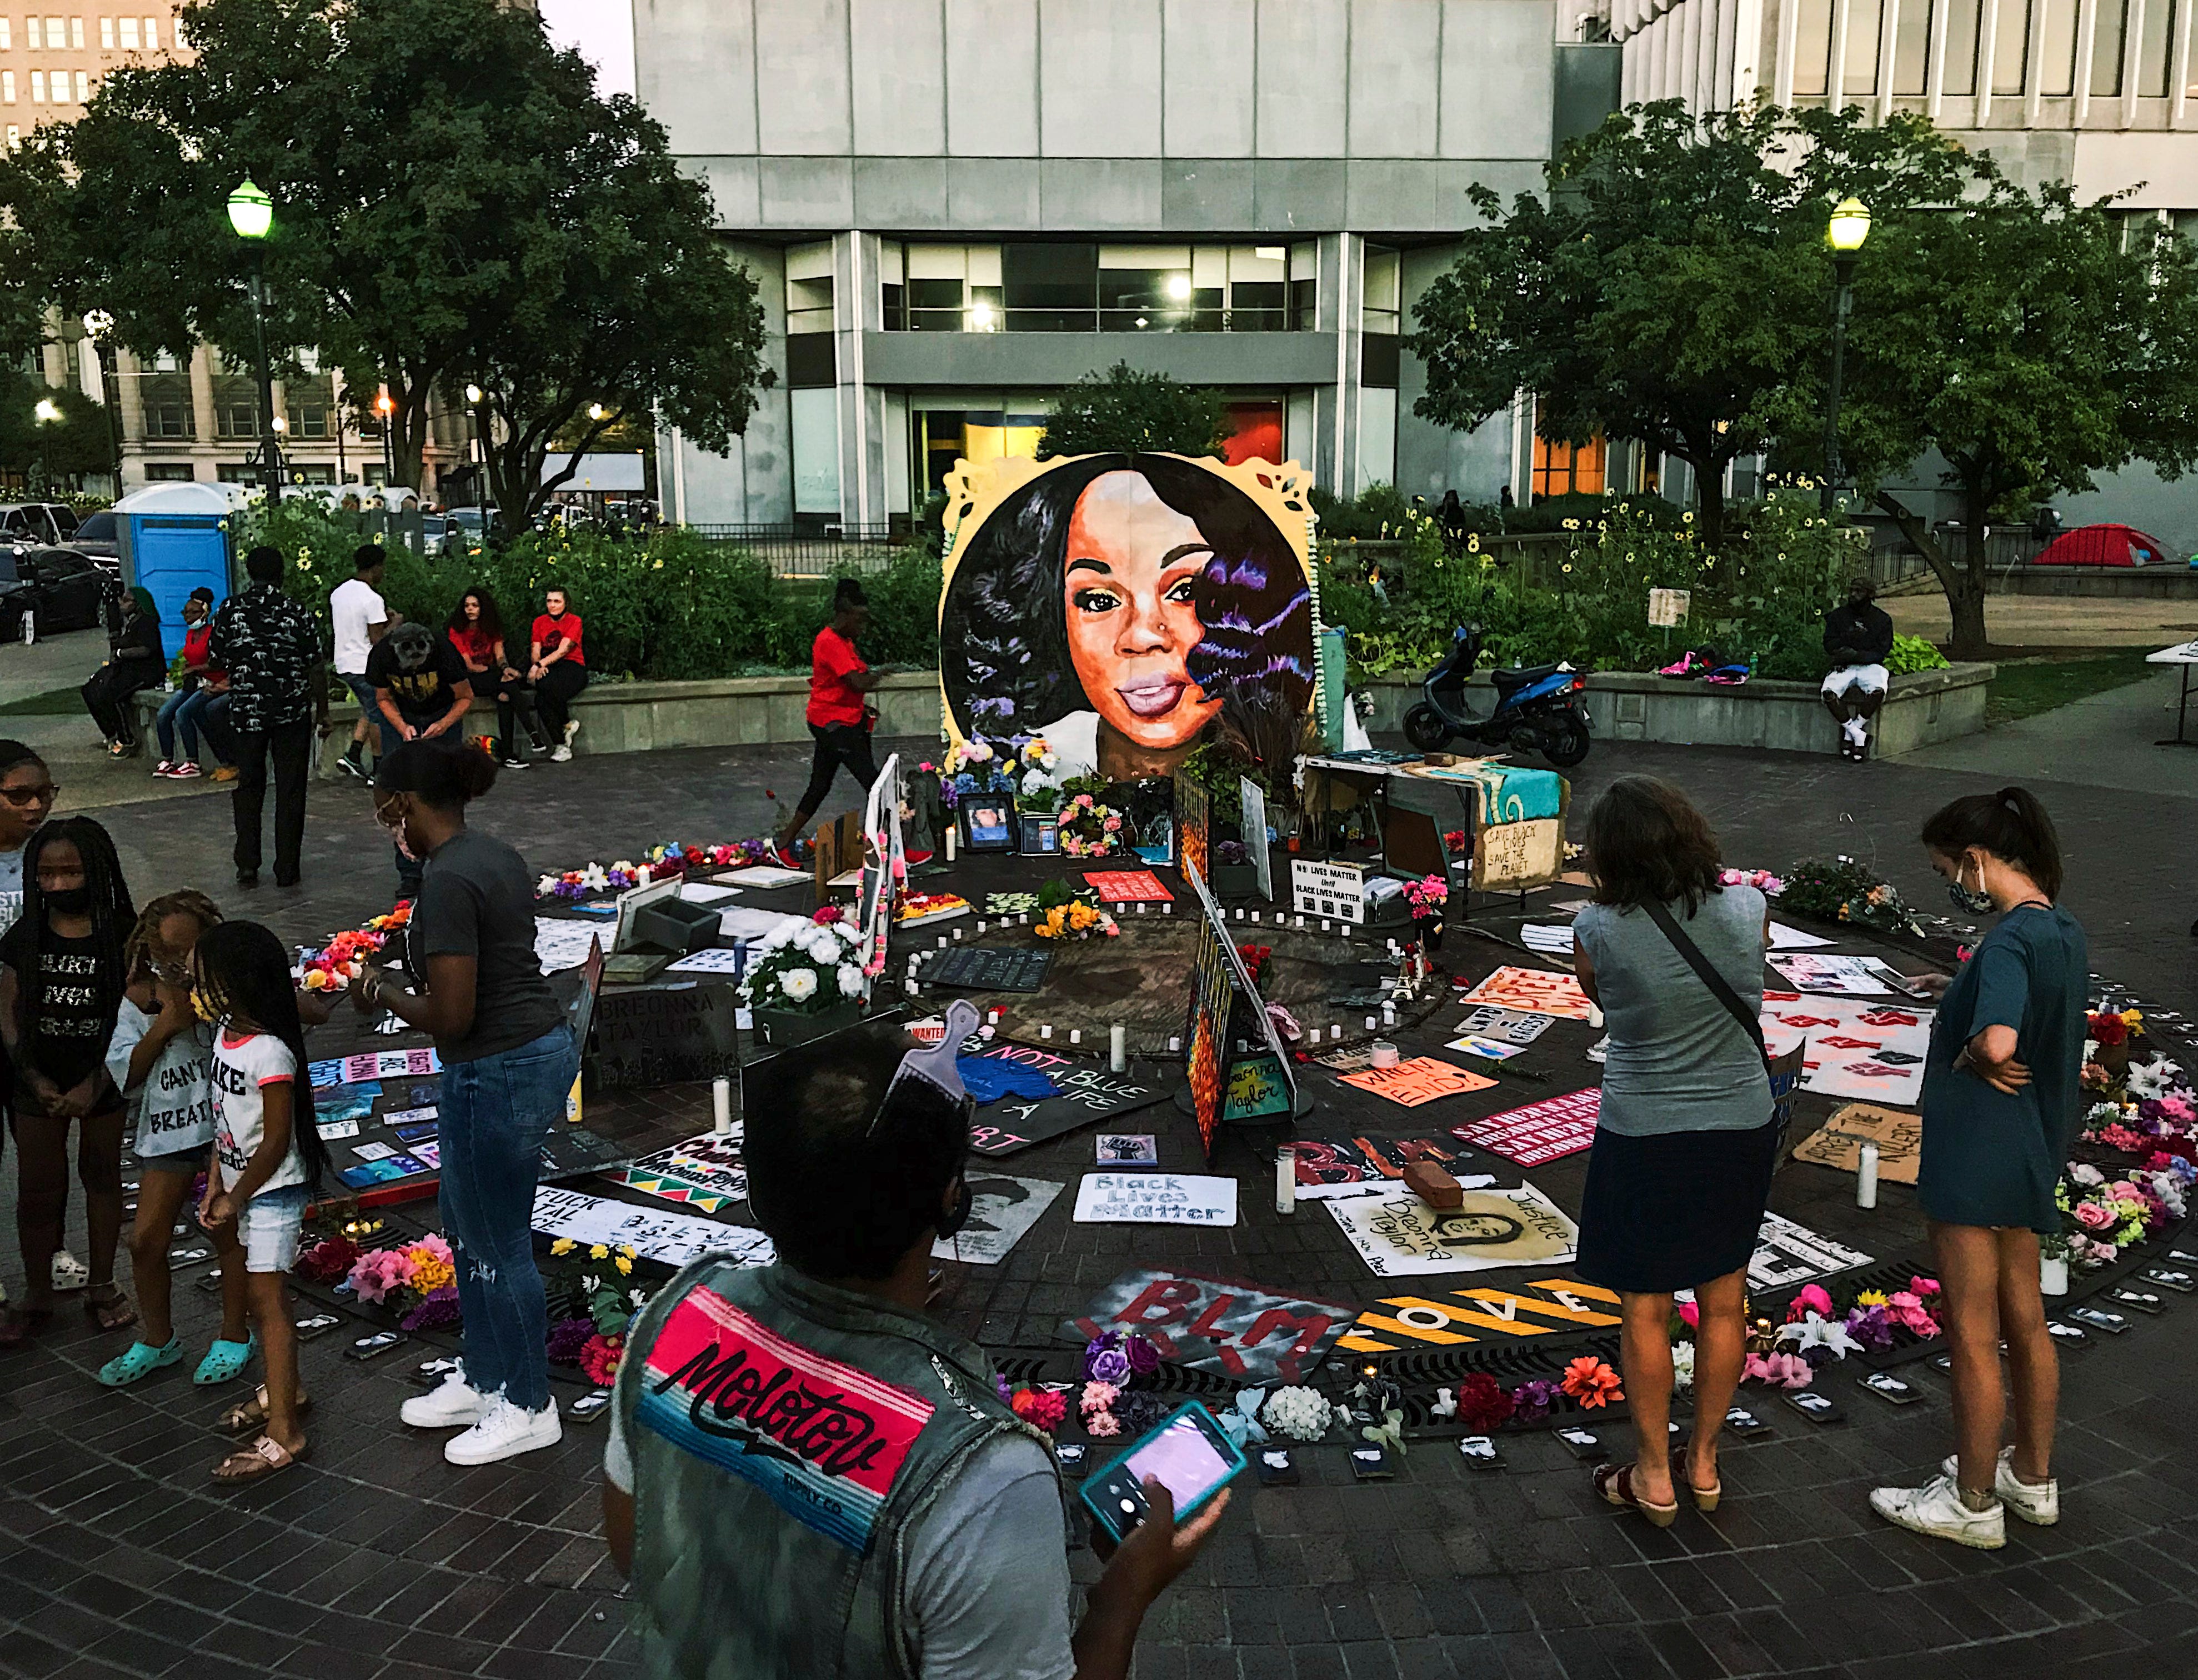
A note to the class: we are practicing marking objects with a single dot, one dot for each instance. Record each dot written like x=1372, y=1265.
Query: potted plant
x=2053, y=1264
x=1427, y=897
x=808, y=980
x=1234, y=875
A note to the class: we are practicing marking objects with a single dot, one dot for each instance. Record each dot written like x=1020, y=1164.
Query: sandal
x=1705, y=1499
x=67, y=1272
x=116, y=1312
x=141, y=1359
x=263, y=1457
x=1615, y=1482
x=225, y=1360
x=246, y=1416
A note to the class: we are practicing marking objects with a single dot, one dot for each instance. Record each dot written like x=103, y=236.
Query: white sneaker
x=560, y=754
x=448, y=1406
x=505, y=1433
x=2038, y=1503
x=1937, y=1507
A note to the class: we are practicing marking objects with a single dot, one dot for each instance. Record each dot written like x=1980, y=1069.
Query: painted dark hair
x=2010, y=824
x=112, y=917
x=245, y=972
x=1003, y=627
x=492, y=621
x=1517, y=1228
x=1645, y=840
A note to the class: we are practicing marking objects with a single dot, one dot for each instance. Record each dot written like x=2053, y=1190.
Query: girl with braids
x=268, y=1158
x=27, y=798
x=161, y=1056
x=60, y=988
x=2001, y=1102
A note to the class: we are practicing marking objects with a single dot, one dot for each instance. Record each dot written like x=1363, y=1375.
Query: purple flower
x=1871, y=1326
x=1138, y=1411
x=1000, y=1388
x=1144, y=1358
x=567, y=1336
x=1535, y=1400
x=1104, y=1361
x=438, y=1308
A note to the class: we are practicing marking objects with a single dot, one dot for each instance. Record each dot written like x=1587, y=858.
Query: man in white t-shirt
x=361, y=620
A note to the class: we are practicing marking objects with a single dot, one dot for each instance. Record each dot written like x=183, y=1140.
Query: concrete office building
x=2102, y=94
x=954, y=208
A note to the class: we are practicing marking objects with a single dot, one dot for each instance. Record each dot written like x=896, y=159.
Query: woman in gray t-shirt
x=1685, y=1143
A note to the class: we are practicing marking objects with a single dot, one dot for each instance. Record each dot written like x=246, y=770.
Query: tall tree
x=1672, y=285
x=425, y=158
x=2021, y=341
x=1125, y=409
x=49, y=433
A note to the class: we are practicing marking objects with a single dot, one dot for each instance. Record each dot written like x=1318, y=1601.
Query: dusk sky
x=603, y=32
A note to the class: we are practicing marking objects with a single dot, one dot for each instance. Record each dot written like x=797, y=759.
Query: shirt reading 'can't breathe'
x=174, y=1105
x=477, y=900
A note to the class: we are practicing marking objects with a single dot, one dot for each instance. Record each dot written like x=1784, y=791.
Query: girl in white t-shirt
x=160, y=1058
x=268, y=1158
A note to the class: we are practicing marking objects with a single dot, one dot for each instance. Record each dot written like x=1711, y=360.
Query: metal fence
x=794, y=551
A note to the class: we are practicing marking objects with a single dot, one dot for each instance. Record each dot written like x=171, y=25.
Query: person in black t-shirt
x=62, y=975
x=423, y=686
x=1857, y=641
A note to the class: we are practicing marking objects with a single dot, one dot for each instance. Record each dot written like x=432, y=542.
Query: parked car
x=40, y=522
x=100, y=536
x=44, y=590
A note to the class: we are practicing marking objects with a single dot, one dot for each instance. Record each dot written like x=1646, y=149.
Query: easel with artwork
x=1220, y=986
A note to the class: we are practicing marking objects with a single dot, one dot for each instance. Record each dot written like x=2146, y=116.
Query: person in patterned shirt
x=272, y=649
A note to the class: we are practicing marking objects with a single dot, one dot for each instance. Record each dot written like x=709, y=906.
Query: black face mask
x=965, y=1201
x=69, y=900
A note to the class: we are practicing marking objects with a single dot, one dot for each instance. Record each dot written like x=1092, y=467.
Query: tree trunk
x=1708, y=472
x=1965, y=596
x=1964, y=582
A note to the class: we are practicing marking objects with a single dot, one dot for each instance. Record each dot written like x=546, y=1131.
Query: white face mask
x=397, y=832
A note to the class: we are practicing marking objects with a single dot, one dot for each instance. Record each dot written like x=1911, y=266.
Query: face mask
x=200, y=1008
x=396, y=833
x=69, y=900
x=1970, y=900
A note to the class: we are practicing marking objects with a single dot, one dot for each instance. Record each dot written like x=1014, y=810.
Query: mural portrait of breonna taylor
x=1117, y=604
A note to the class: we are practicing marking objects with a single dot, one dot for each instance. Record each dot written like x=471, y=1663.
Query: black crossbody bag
x=1784, y=1070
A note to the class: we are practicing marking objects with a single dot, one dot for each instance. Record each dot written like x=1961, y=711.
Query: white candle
x=721, y=1107
x=1323, y=928
x=1286, y=1180
x=950, y=842
x=1175, y=1044
x=992, y=1016
x=1075, y=1035
x=1255, y=916
x=1168, y=908
x=1866, y=1178
x=1045, y=1032
x=1141, y=907
x=1389, y=1015
x=1117, y=1048
x=980, y=930
x=1371, y=1023
x=958, y=937
x=942, y=942
x=1334, y=1033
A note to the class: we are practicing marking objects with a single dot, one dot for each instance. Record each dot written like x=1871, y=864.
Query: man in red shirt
x=839, y=717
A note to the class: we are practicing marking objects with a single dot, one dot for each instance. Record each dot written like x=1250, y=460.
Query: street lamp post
x=475, y=397
x=252, y=214
x=385, y=405
x=1850, y=227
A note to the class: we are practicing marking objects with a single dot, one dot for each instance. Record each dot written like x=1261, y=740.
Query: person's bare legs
x=1645, y=1351
x=278, y=1342
x=1720, y=1352
x=42, y=1201
x=1969, y=1281
x=160, y=1198
x=2033, y=1363
x=99, y=1169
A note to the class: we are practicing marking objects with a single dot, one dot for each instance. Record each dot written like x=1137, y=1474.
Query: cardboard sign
x=1839, y=976
x=1334, y=1169
x=1333, y=891
x=1873, y=1052
x=1398, y=1235
x=655, y=1234
x=1668, y=608
x=1544, y=1307
x=1424, y=1078
x=1001, y=1211
x=1194, y=824
x=1128, y=886
x=1237, y=1330
x=1547, y=1130
x=1256, y=1089
x=662, y=1035
x=1786, y=1254
x=1537, y=992
x=706, y=1171
x=1898, y=1137
x=1155, y=1199
x=1518, y=854
x=1088, y=1093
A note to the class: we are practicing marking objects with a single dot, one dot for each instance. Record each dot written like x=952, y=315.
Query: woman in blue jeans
x=509, y=1061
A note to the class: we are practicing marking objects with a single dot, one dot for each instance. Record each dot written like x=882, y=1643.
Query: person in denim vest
x=806, y=1474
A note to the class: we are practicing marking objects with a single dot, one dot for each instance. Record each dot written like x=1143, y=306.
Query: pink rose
x=1102, y=1426
x=1691, y=1315
x=2092, y=1216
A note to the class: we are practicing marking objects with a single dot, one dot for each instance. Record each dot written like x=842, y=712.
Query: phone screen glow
x=1183, y=1460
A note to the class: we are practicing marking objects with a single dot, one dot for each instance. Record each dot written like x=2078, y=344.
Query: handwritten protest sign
x=1088, y=1093
x=1534, y=990
x=1422, y=1079
x=1155, y=1199
x=1002, y=1210
x=1398, y=1235
x=652, y=1233
x=1541, y=1132
x=1341, y=1167
x=1898, y=1137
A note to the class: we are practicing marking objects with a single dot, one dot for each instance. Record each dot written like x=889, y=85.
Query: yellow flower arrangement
x=563, y=1246
x=598, y=1252
x=430, y=1270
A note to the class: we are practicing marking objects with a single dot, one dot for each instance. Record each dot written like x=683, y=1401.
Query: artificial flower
x=1482, y=1404
x=2155, y=1077
x=1810, y=1301
x=1297, y=1411
x=1042, y=1409
x=799, y=984
x=849, y=977
x=1785, y=1370
x=2084, y=1173
x=599, y=1359
x=1682, y=1365
x=1906, y=1310
x=1815, y=1330
x=563, y=1246
x=1105, y=1359
x=1102, y=1426
x=625, y=1265
x=1691, y=1315
x=1591, y=1382
x=2107, y=1029
x=327, y=1260
x=437, y=1310
x=1533, y=1400
x=1144, y=1358
x=1918, y=1285
x=1098, y=1397
x=567, y=1336
x=1870, y=1327
x=598, y=1251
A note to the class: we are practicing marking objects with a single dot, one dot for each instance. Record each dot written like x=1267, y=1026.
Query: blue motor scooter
x=1537, y=709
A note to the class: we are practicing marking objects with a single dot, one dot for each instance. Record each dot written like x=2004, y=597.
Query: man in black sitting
x=1857, y=640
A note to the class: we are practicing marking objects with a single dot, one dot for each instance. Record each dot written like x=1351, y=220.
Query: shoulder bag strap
x=1716, y=982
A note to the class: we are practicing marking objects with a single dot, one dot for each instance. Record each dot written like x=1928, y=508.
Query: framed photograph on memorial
x=987, y=825
x=1040, y=834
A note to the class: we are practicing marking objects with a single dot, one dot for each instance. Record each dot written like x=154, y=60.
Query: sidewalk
x=2104, y=741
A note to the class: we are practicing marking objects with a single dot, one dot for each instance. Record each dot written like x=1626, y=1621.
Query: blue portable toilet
x=174, y=538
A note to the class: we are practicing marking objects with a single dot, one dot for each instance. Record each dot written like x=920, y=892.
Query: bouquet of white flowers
x=808, y=968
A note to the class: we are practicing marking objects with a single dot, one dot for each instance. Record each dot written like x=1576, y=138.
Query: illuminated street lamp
x=474, y=398
x=252, y=214
x=385, y=405
x=48, y=412
x=1848, y=228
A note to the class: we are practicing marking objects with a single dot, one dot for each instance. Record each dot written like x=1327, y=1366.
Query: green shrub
x=1913, y=653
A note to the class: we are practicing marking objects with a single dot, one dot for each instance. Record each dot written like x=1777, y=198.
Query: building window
x=1381, y=283
x=1911, y=46
x=167, y=415
x=2011, y=49
x=1961, y=69
x=5, y=42
x=7, y=87
x=130, y=35
x=1568, y=469
x=14, y=138
x=1865, y=28
x=234, y=418
x=2107, y=32
x=2155, y=32
x=106, y=35
x=75, y=33
x=37, y=87
x=83, y=87
x=1812, y=49
x=1048, y=288
x=309, y=420
x=153, y=34
x=167, y=472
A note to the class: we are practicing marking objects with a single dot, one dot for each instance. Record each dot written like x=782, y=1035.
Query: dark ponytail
x=2010, y=824
x=440, y=771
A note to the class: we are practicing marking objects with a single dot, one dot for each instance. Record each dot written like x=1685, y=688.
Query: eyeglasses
x=21, y=797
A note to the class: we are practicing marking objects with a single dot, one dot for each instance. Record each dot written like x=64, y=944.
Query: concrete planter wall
x=1923, y=707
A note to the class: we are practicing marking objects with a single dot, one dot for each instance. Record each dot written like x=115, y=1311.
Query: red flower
x=2107, y=1029
x=1591, y=1382
x=1483, y=1403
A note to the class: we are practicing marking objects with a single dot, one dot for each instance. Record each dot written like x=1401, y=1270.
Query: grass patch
x=2025, y=690
x=54, y=703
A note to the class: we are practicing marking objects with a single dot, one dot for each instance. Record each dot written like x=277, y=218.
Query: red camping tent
x=2103, y=545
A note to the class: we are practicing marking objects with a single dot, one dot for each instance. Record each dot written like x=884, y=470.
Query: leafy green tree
x=1671, y=285
x=445, y=183
x=2021, y=341
x=1127, y=410
x=74, y=436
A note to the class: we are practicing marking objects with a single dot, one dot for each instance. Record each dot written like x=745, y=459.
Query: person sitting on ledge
x=1857, y=640
x=917, y=1531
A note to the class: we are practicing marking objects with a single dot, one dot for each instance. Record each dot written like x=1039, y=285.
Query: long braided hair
x=243, y=971
x=110, y=910
x=137, y=948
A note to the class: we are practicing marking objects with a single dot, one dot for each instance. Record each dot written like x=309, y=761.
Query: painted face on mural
x=1131, y=561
